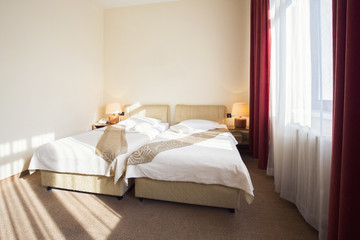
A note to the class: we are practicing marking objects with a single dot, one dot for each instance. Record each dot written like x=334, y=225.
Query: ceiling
x=122, y=3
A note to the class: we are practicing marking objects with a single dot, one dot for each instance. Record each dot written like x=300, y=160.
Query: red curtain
x=259, y=81
x=344, y=206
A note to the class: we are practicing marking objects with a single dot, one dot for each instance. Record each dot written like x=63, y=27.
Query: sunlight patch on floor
x=87, y=210
x=16, y=215
x=6, y=231
x=45, y=223
x=95, y=198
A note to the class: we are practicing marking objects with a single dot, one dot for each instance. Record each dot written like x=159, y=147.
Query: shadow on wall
x=15, y=155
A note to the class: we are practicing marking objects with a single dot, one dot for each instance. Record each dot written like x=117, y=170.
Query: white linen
x=214, y=161
x=134, y=121
x=76, y=154
x=181, y=128
x=200, y=124
x=152, y=121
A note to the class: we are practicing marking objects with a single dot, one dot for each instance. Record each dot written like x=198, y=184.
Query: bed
x=153, y=183
x=91, y=180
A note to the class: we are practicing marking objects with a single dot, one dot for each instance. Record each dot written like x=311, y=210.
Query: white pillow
x=128, y=123
x=181, y=128
x=152, y=121
x=133, y=121
x=200, y=124
x=141, y=127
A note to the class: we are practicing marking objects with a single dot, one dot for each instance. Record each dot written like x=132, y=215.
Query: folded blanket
x=112, y=143
x=147, y=152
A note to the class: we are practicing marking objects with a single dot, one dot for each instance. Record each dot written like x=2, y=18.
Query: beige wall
x=183, y=52
x=51, y=55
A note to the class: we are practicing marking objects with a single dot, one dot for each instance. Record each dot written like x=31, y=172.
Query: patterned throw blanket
x=147, y=152
x=112, y=143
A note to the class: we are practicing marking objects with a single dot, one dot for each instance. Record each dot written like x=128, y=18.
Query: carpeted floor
x=28, y=211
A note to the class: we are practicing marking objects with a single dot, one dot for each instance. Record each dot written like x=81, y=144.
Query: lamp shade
x=113, y=108
x=240, y=109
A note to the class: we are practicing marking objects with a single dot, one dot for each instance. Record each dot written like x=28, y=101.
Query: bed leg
x=49, y=188
x=119, y=197
x=141, y=199
x=232, y=210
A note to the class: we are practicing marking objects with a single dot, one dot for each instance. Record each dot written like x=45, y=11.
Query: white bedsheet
x=214, y=161
x=76, y=154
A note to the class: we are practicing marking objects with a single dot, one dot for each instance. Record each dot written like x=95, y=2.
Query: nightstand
x=99, y=125
x=241, y=135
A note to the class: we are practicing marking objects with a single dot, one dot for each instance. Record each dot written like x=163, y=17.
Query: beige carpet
x=28, y=211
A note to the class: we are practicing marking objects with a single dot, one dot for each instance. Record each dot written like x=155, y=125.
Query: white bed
x=209, y=173
x=71, y=163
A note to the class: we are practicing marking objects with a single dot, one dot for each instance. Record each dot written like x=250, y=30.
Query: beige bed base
x=188, y=192
x=102, y=184
x=85, y=183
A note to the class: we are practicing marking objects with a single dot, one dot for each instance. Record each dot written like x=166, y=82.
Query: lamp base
x=113, y=119
x=240, y=122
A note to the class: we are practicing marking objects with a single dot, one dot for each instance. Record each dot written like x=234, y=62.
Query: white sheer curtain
x=301, y=105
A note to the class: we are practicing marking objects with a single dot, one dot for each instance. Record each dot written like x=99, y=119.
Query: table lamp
x=240, y=110
x=114, y=109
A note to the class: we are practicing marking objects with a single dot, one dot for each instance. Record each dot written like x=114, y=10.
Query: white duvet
x=214, y=161
x=76, y=154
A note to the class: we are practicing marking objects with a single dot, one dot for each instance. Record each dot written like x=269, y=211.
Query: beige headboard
x=215, y=113
x=161, y=112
